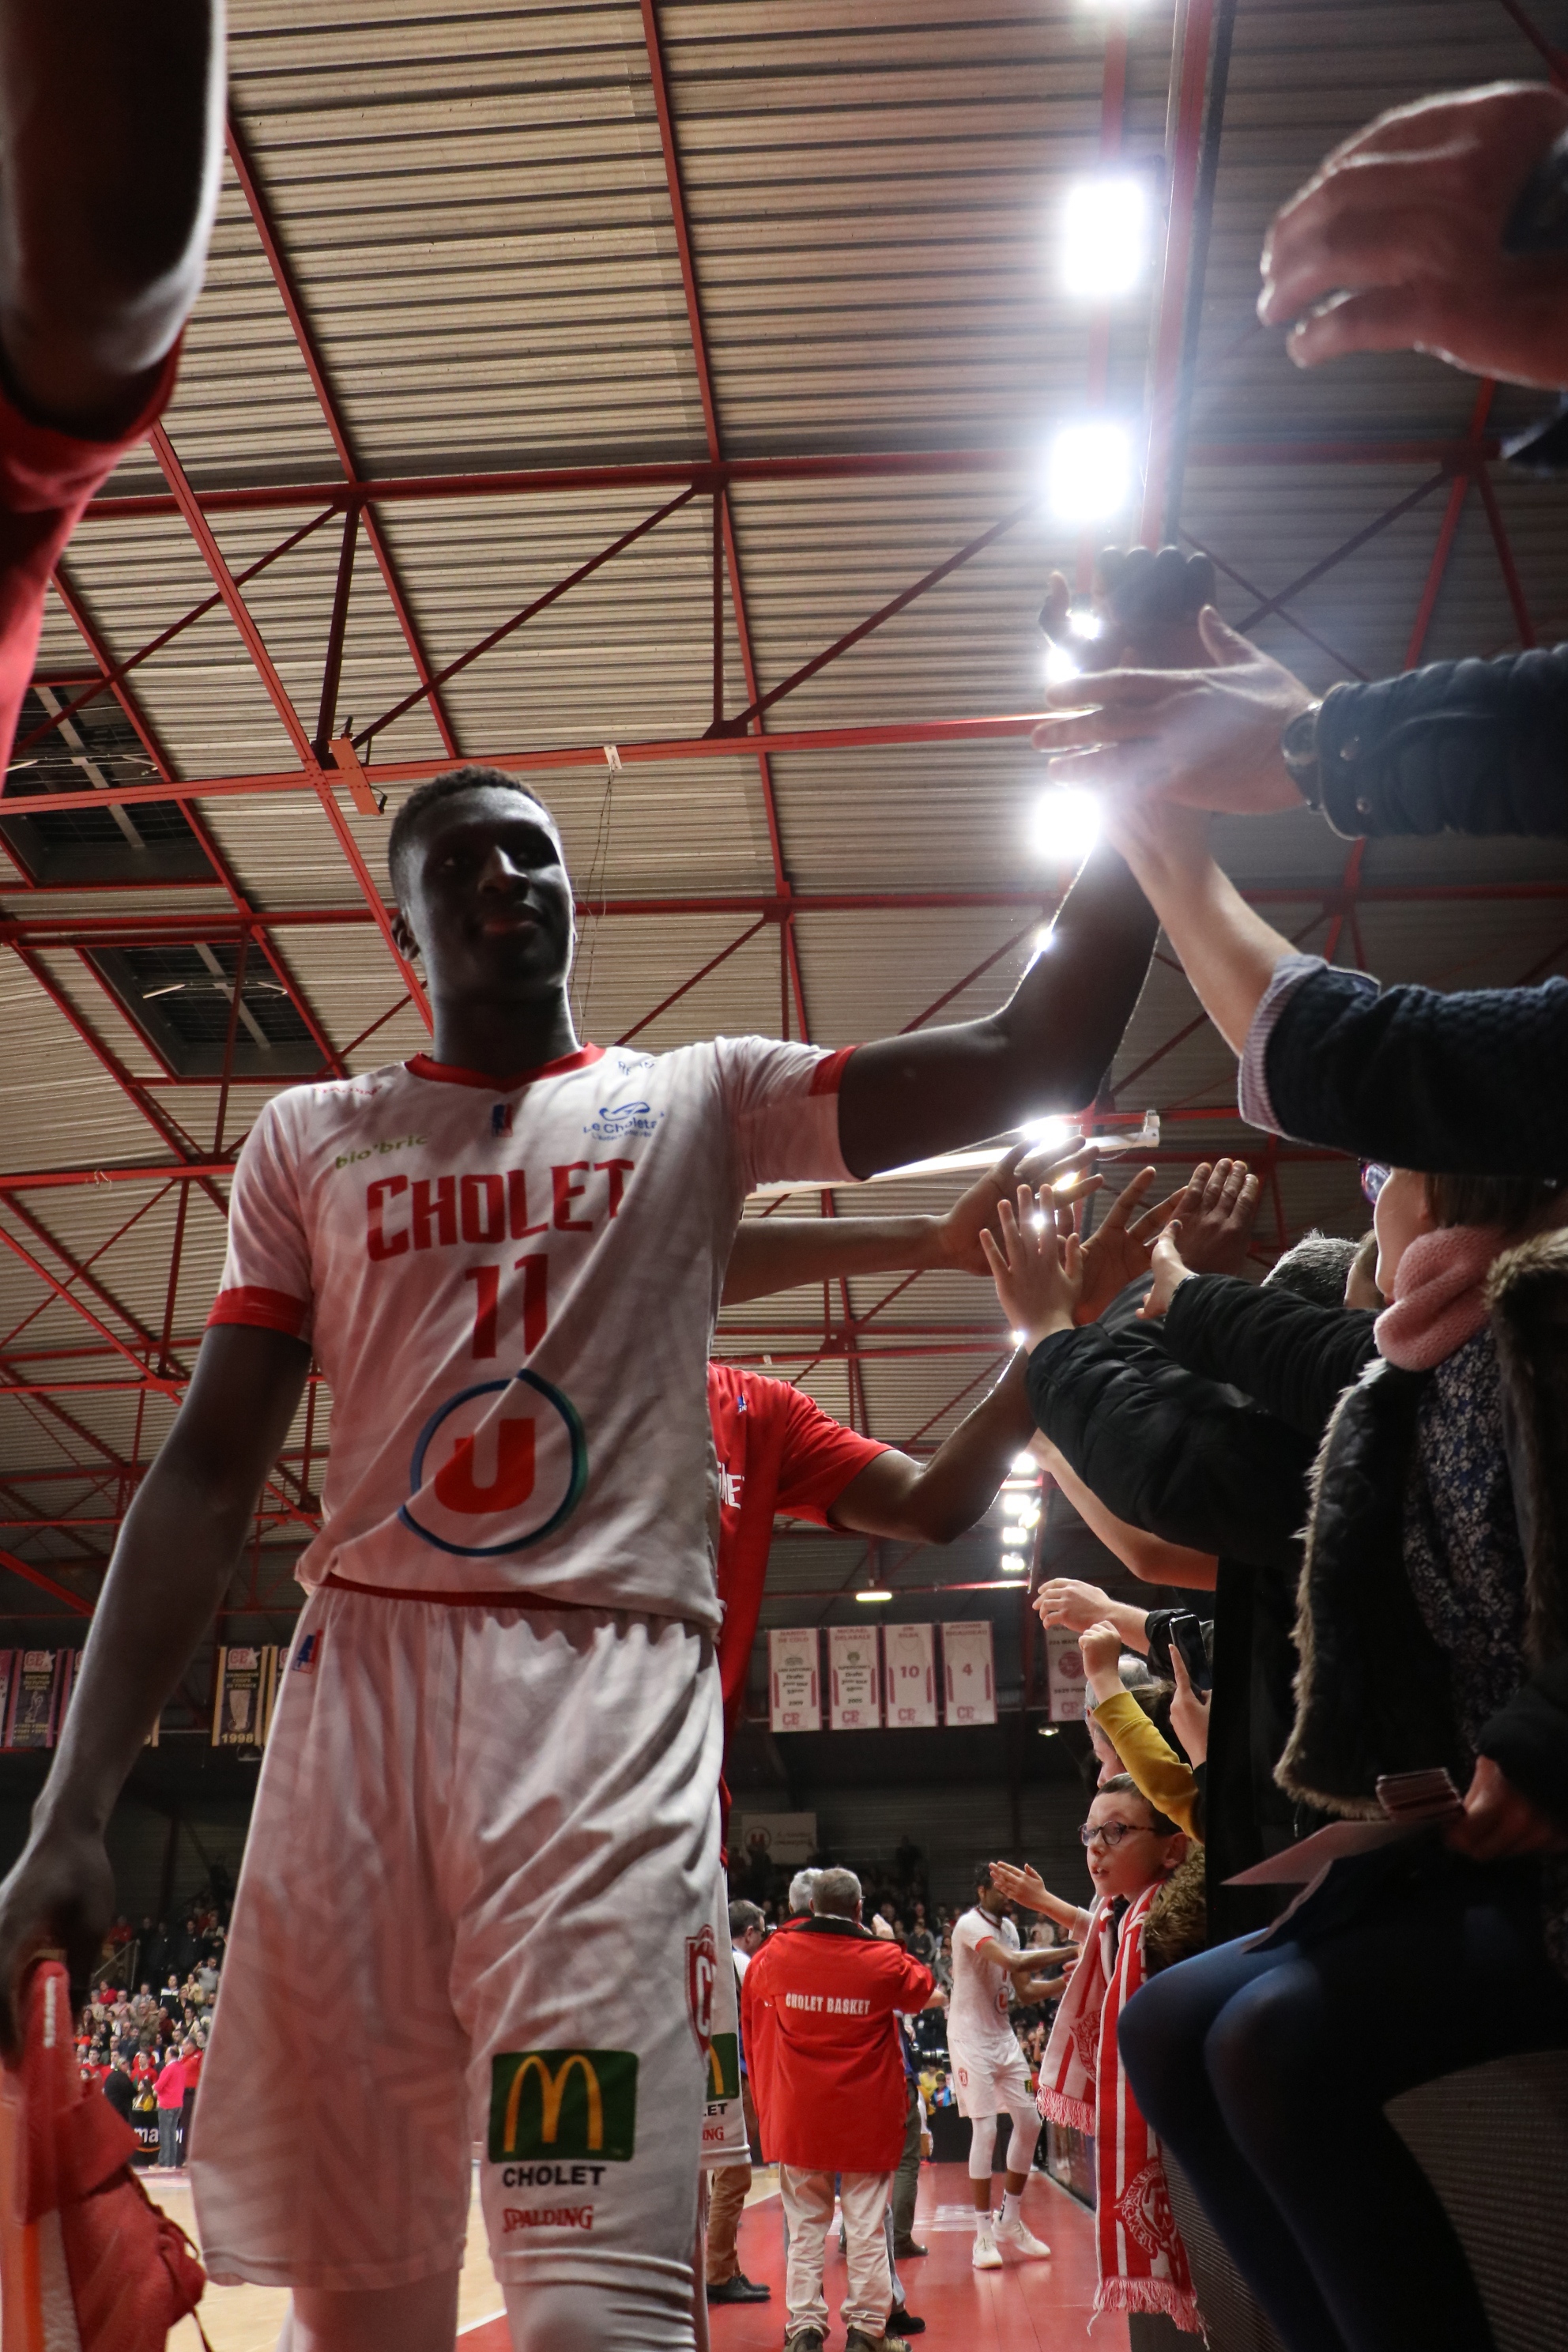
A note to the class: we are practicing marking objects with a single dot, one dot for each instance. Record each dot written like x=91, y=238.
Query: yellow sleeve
x=1151, y=1762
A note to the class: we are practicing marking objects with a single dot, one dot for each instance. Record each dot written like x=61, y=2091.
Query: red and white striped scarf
x=1141, y=2260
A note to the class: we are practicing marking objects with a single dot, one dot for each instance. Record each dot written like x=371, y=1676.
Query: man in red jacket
x=818, y=2010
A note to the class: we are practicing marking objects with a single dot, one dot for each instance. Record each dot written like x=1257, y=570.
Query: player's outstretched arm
x=935, y=1501
x=179, y=1546
x=111, y=147
x=1045, y=1050
x=771, y=1254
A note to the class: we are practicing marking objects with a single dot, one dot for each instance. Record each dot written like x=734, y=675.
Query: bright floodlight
x=1015, y=1536
x=1059, y=668
x=1067, y=826
x=1090, y=477
x=1025, y=1467
x=1105, y=237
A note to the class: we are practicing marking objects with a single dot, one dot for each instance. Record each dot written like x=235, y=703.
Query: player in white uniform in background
x=476, y=1896
x=989, y=2075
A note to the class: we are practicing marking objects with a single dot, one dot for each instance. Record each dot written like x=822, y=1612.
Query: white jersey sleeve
x=783, y=1102
x=266, y=1277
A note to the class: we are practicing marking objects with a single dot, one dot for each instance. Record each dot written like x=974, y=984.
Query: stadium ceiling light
x=1060, y=665
x=1065, y=825
x=873, y=1593
x=1105, y=235
x=1025, y=1467
x=1088, y=474
x=1014, y=1535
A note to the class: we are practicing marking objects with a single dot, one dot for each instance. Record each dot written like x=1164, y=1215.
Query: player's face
x=487, y=899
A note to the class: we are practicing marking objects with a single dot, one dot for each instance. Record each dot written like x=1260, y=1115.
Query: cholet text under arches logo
x=511, y=1478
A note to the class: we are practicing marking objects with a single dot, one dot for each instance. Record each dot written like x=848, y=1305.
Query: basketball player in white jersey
x=475, y=1900
x=989, y=2076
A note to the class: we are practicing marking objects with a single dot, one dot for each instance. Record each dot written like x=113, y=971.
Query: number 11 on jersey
x=535, y=1270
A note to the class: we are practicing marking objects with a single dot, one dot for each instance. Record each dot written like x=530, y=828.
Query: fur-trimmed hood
x=1372, y=1689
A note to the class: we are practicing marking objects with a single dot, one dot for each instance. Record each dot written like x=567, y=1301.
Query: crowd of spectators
x=142, y=2036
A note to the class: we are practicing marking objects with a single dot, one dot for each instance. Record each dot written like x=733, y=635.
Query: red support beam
x=41, y=932
x=1509, y=568
x=1337, y=555
x=317, y=782
x=1192, y=36
x=331, y=411
x=45, y=1583
x=1008, y=462
x=895, y=605
x=686, y=985
x=108, y=680
x=365, y=735
x=80, y=1307
x=87, y=629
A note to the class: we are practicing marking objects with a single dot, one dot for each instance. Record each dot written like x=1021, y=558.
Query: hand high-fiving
x=1039, y=1274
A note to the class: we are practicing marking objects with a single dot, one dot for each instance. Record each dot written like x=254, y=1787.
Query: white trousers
x=807, y=2201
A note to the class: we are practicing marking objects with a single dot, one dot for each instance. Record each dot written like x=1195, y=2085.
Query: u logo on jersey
x=498, y=1468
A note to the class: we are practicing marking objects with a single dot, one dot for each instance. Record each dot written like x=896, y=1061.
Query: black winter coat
x=1289, y=1355
x=1375, y=1695
x=1185, y=1458
x=1472, y=1082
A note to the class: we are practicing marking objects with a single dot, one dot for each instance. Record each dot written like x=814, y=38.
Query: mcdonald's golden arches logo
x=724, y=2067
x=564, y=2103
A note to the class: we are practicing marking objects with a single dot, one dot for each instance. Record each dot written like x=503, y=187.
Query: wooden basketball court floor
x=1027, y=2307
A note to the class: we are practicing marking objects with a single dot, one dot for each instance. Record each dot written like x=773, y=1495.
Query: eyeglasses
x=1374, y=1176
x=1110, y=1833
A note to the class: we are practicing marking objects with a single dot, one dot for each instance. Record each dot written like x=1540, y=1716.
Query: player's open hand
x=58, y=1898
x=1039, y=1272
x=1397, y=242
x=1062, y=1601
x=1208, y=737
x=1217, y=1213
x=1070, y=1175
x=1143, y=611
x=1116, y=1251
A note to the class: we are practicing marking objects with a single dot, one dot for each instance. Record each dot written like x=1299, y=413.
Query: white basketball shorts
x=475, y=1908
x=990, y=2082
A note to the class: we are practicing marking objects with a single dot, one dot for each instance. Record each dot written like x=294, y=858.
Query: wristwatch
x=1298, y=751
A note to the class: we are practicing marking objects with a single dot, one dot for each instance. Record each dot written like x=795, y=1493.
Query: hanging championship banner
x=970, y=1672
x=8, y=1663
x=30, y=1710
x=854, y=1678
x=795, y=1683
x=910, y=1663
x=242, y=1697
x=1064, y=1671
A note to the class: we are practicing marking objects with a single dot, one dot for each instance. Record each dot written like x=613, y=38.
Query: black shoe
x=906, y=2250
x=859, y=2341
x=808, y=2339
x=740, y=2289
x=903, y=2323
